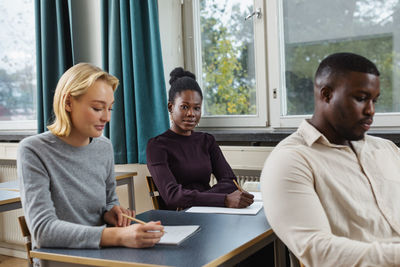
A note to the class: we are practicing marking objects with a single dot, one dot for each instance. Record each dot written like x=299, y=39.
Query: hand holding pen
x=239, y=198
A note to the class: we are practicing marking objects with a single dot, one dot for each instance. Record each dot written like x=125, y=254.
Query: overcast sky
x=17, y=34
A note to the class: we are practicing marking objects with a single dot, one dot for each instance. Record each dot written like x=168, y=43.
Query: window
x=17, y=65
x=227, y=47
x=273, y=72
x=311, y=30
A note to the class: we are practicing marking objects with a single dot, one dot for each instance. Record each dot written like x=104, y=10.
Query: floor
x=6, y=261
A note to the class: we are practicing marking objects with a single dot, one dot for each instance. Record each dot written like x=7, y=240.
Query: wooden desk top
x=123, y=175
x=222, y=237
x=9, y=196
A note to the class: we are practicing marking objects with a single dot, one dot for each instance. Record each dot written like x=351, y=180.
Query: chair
x=27, y=235
x=158, y=202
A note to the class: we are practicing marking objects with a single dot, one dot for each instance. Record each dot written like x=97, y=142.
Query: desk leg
x=279, y=253
x=131, y=193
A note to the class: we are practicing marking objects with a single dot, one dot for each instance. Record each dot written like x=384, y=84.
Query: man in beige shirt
x=332, y=193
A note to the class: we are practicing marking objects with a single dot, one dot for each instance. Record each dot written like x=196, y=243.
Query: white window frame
x=25, y=125
x=269, y=80
x=18, y=125
x=194, y=63
x=276, y=81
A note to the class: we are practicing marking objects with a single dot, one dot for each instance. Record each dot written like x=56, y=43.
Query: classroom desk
x=223, y=240
x=10, y=200
x=127, y=178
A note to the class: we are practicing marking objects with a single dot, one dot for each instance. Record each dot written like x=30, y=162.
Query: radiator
x=242, y=176
x=9, y=227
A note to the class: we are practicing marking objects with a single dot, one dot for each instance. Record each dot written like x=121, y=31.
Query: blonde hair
x=75, y=82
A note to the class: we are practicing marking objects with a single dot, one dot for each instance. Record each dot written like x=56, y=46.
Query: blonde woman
x=67, y=174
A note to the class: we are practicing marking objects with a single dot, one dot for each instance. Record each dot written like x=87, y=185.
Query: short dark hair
x=345, y=62
x=181, y=80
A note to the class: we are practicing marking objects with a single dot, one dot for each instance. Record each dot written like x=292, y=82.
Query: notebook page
x=253, y=209
x=174, y=235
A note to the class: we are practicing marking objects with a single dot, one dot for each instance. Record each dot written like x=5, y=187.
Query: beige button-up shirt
x=333, y=206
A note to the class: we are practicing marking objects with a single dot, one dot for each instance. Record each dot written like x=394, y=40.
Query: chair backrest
x=27, y=236
x=158, y=202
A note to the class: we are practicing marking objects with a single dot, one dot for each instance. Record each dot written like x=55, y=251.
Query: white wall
x=86, y=31
x=170, y=18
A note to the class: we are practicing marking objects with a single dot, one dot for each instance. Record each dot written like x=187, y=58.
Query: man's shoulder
x=375, y=142
x=292, y=142
x=292, y=146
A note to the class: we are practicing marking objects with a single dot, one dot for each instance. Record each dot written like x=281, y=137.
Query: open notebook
x=253, y=209
x=174, y=235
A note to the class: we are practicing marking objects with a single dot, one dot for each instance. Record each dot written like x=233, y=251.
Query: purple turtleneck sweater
x=181, y=167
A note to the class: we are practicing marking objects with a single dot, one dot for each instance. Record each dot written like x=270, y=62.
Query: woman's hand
x=239, y=199
x=133, y=236
x=114, y=216
x=141, y=236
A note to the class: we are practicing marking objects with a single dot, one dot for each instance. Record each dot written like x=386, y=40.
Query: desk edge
x=10, y=200
x=86, y=260
x=124, y=175
x=240, y=249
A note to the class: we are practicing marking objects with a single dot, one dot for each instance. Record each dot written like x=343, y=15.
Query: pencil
x=133, y=219
x=237, y=185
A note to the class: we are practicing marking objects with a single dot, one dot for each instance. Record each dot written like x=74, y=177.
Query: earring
x=171, y=121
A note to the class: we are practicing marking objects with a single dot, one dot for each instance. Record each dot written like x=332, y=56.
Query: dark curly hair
x=181, y=80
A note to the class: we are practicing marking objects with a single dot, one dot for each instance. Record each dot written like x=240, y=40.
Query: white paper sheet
x=257, y=196
x=253, y=209
x=174, y=235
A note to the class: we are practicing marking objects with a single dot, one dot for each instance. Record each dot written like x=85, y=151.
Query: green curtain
x=53, y=53
x=131, y=51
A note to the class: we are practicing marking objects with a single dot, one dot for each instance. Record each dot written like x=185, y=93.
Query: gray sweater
x=65, y=190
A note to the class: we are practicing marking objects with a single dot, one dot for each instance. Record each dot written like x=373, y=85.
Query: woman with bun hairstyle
x=66, y=174
x=181, y=160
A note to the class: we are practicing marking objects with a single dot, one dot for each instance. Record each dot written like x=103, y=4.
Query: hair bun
x=179, y=73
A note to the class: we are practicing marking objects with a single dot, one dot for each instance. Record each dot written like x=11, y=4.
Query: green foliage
x=229, y=89
x=302, y=61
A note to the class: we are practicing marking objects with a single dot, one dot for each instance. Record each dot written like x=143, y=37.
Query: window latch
x=257, y=13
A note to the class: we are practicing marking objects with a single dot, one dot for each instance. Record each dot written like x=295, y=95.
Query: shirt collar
x=311, y=135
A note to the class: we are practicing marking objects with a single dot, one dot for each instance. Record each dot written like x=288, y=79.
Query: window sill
x=272, y=138
x=229, y=137
x=14, y=137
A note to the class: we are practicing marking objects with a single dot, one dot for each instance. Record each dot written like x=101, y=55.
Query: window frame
x=193, y=62
x=22, y=125
x=271, y=91
x=382, y=121
x=19, y=125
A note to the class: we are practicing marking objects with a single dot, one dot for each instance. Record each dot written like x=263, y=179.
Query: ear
x=326, y=94
x=170, y=107
x=68, y=105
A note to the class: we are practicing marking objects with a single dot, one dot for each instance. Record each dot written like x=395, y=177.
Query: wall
x=170, y=18
x=86, y=31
